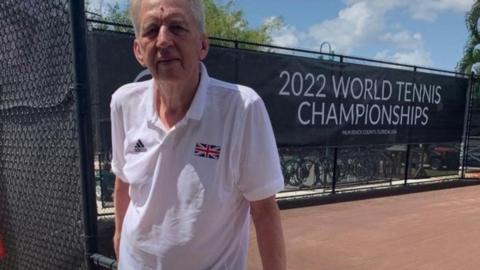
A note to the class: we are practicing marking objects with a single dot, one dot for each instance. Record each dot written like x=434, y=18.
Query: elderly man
x=194, y=157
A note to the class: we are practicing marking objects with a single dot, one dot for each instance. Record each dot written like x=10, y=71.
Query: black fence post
x=84, y=125
x=468, y=118
x=334, y=174
x=237, y=69
x=407, y=154
x=335, y=157
x=407, y=162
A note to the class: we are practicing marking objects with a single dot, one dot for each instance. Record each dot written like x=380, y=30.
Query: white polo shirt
x=190, y=186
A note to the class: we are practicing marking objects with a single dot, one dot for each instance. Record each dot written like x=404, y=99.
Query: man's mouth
x=167, y=61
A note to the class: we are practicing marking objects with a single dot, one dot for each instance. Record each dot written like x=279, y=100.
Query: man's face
x=169, y=42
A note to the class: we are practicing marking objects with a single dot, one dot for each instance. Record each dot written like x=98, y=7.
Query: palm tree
x=471, y=53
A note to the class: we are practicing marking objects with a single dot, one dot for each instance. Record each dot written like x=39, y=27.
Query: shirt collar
x=198, y=103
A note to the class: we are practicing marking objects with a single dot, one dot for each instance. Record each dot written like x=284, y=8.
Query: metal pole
x=335, y=158
x=104, y=261
x=467, y=127
x=84, y=125
x=321, y=48
x=407, y=161
x=407, y=154
x=236, y=75
x=334, y=175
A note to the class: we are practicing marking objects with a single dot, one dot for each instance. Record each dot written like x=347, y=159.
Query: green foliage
x=116, y=15
x=223, y=20
x=113, y=15
x=471, y=54
x=470, y=61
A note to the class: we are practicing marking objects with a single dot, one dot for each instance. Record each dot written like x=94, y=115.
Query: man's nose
x=164, y=38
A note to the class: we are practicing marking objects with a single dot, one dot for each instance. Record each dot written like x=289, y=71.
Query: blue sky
x=428, y=33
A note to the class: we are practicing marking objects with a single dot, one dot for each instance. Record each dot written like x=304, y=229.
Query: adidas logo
x=139, y=147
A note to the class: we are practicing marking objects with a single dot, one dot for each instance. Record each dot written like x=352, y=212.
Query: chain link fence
x=41, y=212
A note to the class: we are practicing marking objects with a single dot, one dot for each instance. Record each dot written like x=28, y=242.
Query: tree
x=471, y=54
x=113, y=15
x=470, y=61
x=222, y=21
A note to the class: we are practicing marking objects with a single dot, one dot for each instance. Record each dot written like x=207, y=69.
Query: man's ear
x=204, y=47
x=137, y=50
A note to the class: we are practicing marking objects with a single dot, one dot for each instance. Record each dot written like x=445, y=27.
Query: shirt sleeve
x=118, y=137
x=260, y=174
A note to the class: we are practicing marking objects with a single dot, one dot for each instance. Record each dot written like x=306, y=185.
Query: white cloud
x=429, y=10
x=378, y=5
x=364, y=23
x=405, y=48
x=353, y=27
x=404, y=39
x=287, y=36
x=416, y=57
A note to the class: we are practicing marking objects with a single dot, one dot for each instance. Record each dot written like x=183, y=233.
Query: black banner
x=312, y=102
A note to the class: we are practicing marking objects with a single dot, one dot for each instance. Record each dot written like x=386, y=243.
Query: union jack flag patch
x=207, y=151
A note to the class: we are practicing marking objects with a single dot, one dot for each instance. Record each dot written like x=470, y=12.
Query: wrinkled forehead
x=153, y=9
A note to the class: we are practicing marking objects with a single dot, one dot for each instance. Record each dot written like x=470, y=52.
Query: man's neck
x=173, y=99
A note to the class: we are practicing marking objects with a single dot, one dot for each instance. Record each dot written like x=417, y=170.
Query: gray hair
x=196, y=6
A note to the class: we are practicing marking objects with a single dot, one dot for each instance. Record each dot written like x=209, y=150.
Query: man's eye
x=177, y=29
x=151, y=31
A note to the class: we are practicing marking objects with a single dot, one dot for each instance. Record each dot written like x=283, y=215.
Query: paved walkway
x=429, y=230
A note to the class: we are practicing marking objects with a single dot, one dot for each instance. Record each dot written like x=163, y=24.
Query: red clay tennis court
x=435, y=229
